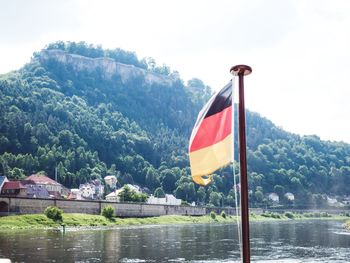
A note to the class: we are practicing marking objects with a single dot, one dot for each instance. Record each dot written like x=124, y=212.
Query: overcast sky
x=299, y=50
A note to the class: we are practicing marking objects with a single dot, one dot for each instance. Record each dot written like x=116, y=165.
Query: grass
x=40, y=221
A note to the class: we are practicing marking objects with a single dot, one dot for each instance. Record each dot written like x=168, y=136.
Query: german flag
x=211, y=139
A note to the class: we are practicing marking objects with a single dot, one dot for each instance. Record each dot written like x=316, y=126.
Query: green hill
x=92, y=112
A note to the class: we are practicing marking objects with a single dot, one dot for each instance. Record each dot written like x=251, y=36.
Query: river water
x=284, y=241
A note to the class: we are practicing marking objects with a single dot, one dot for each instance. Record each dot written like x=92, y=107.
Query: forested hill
x=93, y=112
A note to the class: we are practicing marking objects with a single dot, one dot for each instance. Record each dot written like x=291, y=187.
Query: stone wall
x=22, y=205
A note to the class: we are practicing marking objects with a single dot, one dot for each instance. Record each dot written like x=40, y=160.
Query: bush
x=108, y=212
x=266, y=214
x=223, y=214
x=276, y=215
x=53, y=213
x=325, y=214
x=212, y=215
x=290, y=215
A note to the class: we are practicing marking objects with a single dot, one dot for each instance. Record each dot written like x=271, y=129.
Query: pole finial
x=241, y=70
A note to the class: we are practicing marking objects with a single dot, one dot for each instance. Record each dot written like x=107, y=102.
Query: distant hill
x=91, y=112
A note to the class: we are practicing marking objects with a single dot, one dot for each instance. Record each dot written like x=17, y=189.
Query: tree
x=53, y=213
x=129, y=195
x=259, y=196
x=201, y=195
x=279, y=189
x=215, y=199
x=108, y=212
x=168, y=181
x=159, y=192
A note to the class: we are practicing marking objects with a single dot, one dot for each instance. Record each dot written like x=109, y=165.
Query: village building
x=87, y=191
x=99, y=189
x=14, y=188
x=34, y=186
x=114, y=196
x=346, y=200
x=111, y=181
x=289, y=196
x=331, y=201
x=92, y=190
x=36, y=191
x=54, y=188
x=167, y=200
x=274, y=198
x=75, y=194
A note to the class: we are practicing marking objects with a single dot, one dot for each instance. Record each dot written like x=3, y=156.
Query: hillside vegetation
x=93, y=112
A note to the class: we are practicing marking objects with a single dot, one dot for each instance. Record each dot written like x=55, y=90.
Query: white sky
x=299, y=50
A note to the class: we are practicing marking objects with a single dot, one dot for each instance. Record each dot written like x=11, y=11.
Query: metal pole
x=241, y=71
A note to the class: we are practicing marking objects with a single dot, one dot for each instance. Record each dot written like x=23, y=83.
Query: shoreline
x=83, y=221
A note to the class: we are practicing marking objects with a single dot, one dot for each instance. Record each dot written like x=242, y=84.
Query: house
x=92, y=190
x=54, y=188
x=87, y=191
x=331, y=201
x=34, y=190
x=112, y=197
x=65, y=191
x=14, y=188
x=99, y=188
x=346, y=200
x=273, y=197
x=289, y=196
x=3, y=179
x=111, y=181
x=75, y=194
x=72, y=196
x=172, y=200
x=167, y=200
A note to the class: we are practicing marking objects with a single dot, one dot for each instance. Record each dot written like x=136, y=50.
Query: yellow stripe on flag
x=207, y=160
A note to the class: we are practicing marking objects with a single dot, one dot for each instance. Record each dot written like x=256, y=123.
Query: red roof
x=13, y=185
x=41, y=179
x=72, y=196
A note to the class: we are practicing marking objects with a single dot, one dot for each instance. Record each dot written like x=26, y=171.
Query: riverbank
x=40, y=221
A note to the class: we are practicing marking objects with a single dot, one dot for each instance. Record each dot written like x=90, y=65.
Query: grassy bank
x=39, y=221
x=35, y=221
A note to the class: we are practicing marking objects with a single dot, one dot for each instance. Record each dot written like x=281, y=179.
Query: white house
x=92, y=190
x=112, y=197
x=111, y=181
x=172, y=200
x=76, y=193
x=99, y=188
x=87, y=191
x=331, y=201
x=167, y=200
x=289, y=196
x=273, y=197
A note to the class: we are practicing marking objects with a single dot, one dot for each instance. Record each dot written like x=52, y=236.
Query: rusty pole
x=241, y=71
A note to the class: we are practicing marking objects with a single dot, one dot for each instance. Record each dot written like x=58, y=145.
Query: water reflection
x=288, y=241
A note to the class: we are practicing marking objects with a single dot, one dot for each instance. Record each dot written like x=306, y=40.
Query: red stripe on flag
x=213, y=129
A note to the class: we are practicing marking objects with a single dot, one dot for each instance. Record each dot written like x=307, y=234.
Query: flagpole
x=241, y=71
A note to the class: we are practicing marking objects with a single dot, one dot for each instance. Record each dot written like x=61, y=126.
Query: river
x=283, y=241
